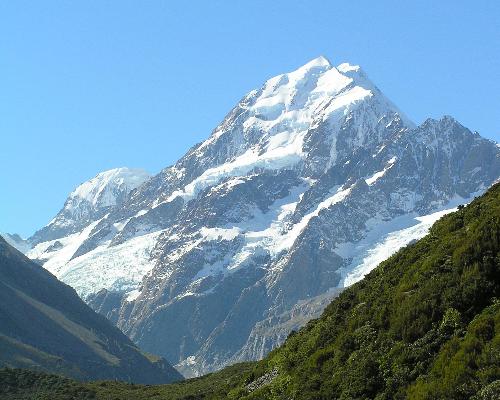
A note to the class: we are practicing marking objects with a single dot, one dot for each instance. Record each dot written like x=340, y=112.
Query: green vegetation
x=19, y=384
x=16, y=384
x=425, y=324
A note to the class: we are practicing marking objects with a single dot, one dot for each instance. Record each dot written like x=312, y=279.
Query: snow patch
x=385, y=238
x=97, y=190
x=389, y=244
x=116, y=268
x=124, y=266
x=55, y=260
x=133, y=295
x=219, y=233
x=376, y=176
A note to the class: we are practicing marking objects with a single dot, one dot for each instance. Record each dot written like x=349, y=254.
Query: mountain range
x=306, y=185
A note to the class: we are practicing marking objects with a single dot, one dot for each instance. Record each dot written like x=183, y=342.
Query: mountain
x=425, y=324
x=44, y=325
x=57, y=244
x=16, y=241
x=308, y=183
x=91, y=201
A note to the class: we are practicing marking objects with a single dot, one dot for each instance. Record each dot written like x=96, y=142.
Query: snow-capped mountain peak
x=294, y=118
x=320, y=61
x=103, y=189
x=90, y=201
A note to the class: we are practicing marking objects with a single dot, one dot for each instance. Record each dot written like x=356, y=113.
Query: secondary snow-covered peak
x=90, y=201
x=105, y=190
x=101, y=190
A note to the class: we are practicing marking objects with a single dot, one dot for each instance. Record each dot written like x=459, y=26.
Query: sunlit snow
x=117, y=268
x=286, y=109
x=368, y=255
x=98, y=189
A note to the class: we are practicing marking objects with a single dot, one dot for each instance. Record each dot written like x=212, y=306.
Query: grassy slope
x=425, y=324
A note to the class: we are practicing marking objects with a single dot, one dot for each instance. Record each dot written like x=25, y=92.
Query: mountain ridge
x=90, y=201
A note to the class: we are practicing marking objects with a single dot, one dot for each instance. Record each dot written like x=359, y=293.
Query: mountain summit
x=308, y=183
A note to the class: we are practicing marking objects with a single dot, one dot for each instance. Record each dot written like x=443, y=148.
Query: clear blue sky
x=91, y=85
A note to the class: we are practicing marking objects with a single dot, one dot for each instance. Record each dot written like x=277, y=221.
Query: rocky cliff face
x=303, y=188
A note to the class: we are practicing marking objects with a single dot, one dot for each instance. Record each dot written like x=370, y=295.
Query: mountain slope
x=425, y=324
x=308, y=183
x=90, y=201
x=16, y=241
x=56, y=246
x=44, y=325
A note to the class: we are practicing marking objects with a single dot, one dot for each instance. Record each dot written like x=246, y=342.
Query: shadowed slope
x=45, y=325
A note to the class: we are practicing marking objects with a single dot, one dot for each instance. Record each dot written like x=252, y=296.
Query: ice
x=384, y=238
x=119, y=268
x=55, y=260
x=219, y=233
x=116, y=268
x=133, y=295
x=369, y=253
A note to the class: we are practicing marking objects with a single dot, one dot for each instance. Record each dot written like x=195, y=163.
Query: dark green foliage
x=425, y=324
x=25, y=384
